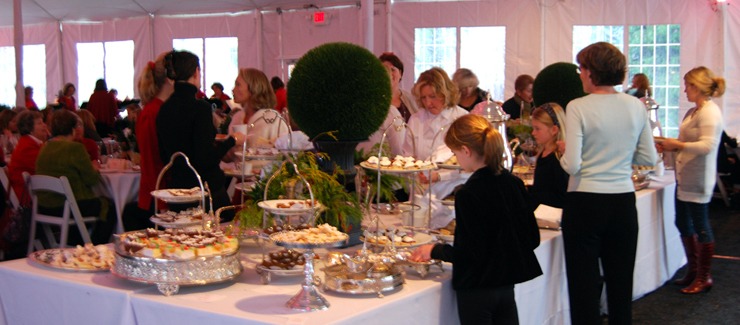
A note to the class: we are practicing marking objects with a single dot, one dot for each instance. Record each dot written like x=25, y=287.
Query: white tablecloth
x=35, y=295
x=122, y=188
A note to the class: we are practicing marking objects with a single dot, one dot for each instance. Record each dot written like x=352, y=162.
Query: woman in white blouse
x=696, y=168
x=253, y=91
x=437, y=95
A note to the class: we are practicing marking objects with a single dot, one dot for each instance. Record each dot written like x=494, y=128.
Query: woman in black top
x=185, y=124
x=496, y=232
x=550, y=180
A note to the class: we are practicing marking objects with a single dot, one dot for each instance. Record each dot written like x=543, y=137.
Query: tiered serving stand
x=170, y=274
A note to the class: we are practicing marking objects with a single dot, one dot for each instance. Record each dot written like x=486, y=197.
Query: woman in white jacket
x=696, y=168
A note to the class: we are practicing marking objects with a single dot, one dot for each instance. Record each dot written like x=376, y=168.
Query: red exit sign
x=319, y=18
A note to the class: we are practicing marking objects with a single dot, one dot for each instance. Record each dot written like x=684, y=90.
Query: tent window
x=218, y=59
x=34, y=73
x=653, y=50
x=112, y=61
x=481, y=49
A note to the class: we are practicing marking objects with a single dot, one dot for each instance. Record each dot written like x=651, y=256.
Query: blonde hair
x=440, y=83
x=476, y=133
x=551, y=114
x=263, y=96
x=152, y=79
x=705, y=81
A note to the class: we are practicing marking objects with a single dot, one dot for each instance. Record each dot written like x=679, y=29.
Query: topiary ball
x=339, y=87
x=559, y=83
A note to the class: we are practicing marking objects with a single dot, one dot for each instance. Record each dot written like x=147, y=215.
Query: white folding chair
x=37, y=183
x=722, y=189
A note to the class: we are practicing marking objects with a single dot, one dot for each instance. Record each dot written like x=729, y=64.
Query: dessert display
x=362, y=274
x=324, y=234
x=286, y=259
x=450, y=163
x=179, y=195
x=189, y=217
x=176, y=244
x=397, y=237
x=261, y=153
x=447, y=233
x=80, y=258
x=289, y=207
x=399, y=163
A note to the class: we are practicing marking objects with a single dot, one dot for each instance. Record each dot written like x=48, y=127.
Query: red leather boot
x=691, y=247
x=703, y=281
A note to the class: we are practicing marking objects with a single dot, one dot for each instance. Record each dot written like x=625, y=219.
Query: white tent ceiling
x=44, y=11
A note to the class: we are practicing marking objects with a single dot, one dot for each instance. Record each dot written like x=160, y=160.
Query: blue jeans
x=693, y=218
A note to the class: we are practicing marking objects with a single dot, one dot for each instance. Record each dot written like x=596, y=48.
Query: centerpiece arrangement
x=339, y=95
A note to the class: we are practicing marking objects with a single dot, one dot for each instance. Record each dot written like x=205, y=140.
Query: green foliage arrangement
x=388, y=182
x=341, y=207
x=342, y=87
x=559, y=83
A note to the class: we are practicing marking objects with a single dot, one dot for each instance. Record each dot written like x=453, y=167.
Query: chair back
x=60, y=185
x=6, y=186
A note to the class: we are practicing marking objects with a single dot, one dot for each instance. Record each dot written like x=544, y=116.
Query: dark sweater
x=185, y=124
x=496, y=233
x=550, y=182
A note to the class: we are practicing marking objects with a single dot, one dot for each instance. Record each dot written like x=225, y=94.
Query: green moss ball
x=558, y=82
x=342, y=87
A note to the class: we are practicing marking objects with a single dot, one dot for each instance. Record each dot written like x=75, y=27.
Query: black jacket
x=496, y=233
x=186, y=124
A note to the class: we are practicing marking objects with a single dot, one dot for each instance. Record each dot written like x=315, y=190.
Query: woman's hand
x=424, y=180
x=670, y=144
x=422, y=253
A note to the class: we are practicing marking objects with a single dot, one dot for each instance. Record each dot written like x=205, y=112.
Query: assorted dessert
x=88, y=257
x=184, y=192
x=186, y=216
x=399, y=163
x=278, y=228
x=286, y=259
x=262, y=151
x=321, y=234
x=385, y=236
x=452, y=161
x=300, y=204
x=177, y=244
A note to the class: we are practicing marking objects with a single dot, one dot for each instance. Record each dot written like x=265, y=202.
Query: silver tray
x=168, y=275
x=369, y=166
x=336, y=280
x=448, y=166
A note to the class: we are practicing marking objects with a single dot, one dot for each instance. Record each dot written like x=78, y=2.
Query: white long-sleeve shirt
x=394, y=136
x=422, y=129
x=696, y=164
x=605, y=134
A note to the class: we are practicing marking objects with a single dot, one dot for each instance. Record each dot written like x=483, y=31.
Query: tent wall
x=538, y=33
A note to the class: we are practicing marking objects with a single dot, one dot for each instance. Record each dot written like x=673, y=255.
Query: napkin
x=548, y=217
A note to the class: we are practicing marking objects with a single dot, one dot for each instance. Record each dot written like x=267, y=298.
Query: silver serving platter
x=168, y=275
x=338, y=279
x=309, y=245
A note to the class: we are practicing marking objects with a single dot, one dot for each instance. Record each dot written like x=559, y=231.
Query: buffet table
x=30, y=294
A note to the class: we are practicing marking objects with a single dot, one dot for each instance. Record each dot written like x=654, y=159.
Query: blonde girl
x=550, y=180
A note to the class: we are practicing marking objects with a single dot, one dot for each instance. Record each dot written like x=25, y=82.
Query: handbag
x=16, y=221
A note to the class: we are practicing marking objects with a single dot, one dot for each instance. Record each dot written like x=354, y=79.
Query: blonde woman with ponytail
x=696, y=168
x=154, y=89
x=496, y=231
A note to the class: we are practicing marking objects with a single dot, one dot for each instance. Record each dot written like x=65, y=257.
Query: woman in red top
x=30, y=103
x=34, y=133
x=67, y=98
x=154, y=89
x=104, y=107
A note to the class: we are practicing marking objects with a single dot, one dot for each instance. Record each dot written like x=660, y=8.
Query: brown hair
x=705, y=81
x=63, y=122
x=263, y=96
x=442, y=85
x=606, y=64
x=522, y=81
x=26, y=120
x=88, y=119
x=393, y=60
x=6, y=116
x=476, y=133
x=643, y=83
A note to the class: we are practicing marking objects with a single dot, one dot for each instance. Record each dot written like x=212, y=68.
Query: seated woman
x=522, y=99
x=550, y=180
x=34, y=133
x=467, y=83
x=63, y=156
